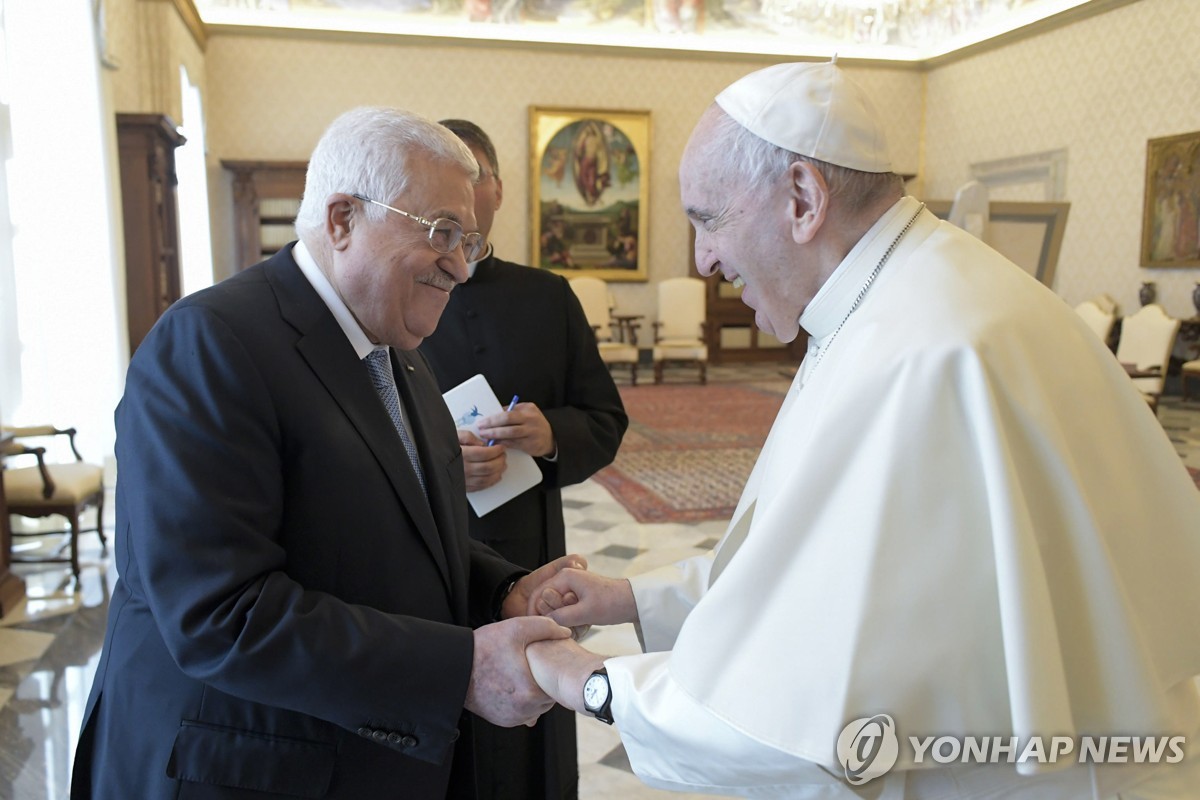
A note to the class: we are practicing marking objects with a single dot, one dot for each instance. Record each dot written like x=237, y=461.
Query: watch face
x=595, y=692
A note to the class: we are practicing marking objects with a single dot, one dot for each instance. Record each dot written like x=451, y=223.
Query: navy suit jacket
x=291, y=618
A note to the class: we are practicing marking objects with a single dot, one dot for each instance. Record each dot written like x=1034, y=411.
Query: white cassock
x=965, y=518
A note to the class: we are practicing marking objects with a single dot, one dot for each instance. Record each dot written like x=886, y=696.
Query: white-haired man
x=965, y=522
x=297, y=589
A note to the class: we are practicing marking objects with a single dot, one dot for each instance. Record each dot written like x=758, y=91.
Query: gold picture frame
x=589, y=191
x=1171, y=217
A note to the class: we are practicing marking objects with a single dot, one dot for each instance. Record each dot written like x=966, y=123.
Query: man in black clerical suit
x=300, y=612
x=524, y=330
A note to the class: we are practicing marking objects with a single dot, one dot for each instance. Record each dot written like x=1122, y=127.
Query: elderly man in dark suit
x=525, y=331
x=300, y=612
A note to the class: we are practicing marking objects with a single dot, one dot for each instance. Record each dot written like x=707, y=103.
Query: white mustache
x=438, y=280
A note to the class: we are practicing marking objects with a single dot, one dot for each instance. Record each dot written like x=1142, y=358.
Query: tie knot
x=379, y=364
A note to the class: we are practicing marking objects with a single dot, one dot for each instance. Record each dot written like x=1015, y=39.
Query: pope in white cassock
x=965, y=522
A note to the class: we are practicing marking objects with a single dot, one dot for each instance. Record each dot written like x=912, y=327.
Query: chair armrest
x=29, y=431
x=657, y=327
x=15, y=449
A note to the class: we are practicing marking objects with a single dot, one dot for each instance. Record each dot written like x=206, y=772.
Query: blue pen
x=510, y=408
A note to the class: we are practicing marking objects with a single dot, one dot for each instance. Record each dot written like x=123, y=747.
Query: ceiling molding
x=1059, y=20
x=569, y=41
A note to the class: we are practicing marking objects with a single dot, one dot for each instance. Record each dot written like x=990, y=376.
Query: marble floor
x=49, y=646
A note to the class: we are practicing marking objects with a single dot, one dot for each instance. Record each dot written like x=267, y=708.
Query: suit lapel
x=431, y=430
x=324, y=346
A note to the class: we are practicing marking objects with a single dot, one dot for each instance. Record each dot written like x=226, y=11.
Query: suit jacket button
x=479, y=348
x=471, y=315
x=393, y=738
x=409, y=741
x=379, y=736
x=364, y=731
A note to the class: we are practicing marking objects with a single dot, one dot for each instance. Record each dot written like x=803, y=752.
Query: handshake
x=530, y=660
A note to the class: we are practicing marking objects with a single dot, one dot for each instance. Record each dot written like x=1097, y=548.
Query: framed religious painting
x=1171, y=217
x=589, y=189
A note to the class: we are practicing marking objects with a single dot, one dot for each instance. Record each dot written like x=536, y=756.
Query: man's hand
x=561, y=667
x=574, y=597
x=483, y=465
x=517, y=604
x=502, y=689
x=525, y=428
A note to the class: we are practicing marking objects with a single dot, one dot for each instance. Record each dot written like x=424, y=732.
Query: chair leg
x=658, y=372
x=100, y=522
x=73, y=518
x=703, y=373
x=633, y=374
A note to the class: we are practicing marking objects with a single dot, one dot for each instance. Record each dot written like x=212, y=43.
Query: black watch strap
x=603, y=712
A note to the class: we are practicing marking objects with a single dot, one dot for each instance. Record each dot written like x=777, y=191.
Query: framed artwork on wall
x=589, y=190
x=1171, y=218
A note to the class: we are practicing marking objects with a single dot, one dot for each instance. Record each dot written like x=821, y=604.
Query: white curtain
x=66, y=282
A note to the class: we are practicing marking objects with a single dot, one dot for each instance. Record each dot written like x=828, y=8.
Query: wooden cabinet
x=266, y=198
x=146, y=146
x=732, y=335
x=730, y=332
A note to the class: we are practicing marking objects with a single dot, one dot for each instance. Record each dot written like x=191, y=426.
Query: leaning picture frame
x=1171, y=216
x=1028, y=234
x=589, y=192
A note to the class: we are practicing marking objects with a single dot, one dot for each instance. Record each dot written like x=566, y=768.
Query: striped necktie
x=379, y=365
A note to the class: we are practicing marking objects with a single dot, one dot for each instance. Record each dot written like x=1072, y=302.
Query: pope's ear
x=342, y=214
x=499, y=192
x=808, y=201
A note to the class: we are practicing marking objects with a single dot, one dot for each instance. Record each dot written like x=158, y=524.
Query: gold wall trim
x=191, y=18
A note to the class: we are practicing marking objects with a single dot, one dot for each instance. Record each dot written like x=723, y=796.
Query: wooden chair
x=610, y=339
x=1144, y=349
x=66, y=489
x=1190, y=371
x=679, y=331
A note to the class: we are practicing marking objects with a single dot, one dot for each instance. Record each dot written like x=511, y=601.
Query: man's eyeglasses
x=444, y=234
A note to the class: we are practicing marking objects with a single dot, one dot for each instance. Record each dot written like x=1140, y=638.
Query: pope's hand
x=525, y=428
x=483, y=465
x=561, y=667
x=517, y=603
x=574, y=597
x=502, y=689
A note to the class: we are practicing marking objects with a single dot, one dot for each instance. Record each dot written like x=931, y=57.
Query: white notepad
x=469, y=402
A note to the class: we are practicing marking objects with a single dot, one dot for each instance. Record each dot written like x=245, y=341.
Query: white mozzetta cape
x=966, y=518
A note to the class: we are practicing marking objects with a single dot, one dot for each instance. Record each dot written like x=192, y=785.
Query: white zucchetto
x=813, y=110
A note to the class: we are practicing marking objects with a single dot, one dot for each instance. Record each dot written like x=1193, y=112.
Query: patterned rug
x=689, y=449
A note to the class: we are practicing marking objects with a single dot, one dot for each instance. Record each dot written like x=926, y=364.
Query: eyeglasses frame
x=463, y=236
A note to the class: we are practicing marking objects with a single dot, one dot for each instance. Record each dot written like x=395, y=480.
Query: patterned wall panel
x=1099, y=88
x=271, y=97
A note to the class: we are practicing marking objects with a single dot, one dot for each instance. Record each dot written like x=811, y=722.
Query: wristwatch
x=597, y=696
